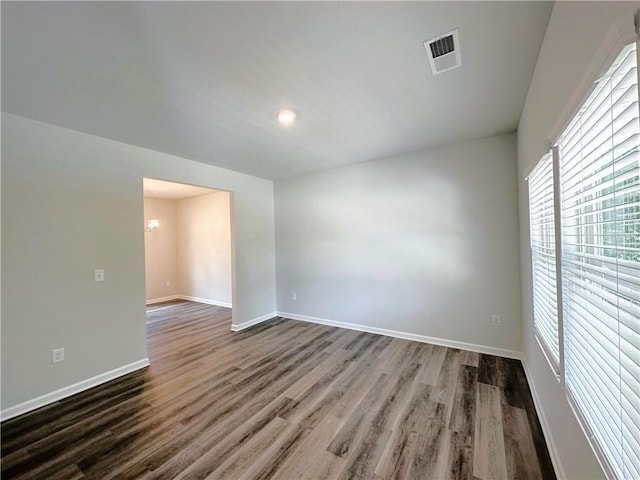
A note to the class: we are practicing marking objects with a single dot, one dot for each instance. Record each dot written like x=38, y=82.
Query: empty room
x=320, y=240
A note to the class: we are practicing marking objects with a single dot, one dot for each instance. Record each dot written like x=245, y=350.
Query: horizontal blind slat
x=600, y=215
x=543, y=256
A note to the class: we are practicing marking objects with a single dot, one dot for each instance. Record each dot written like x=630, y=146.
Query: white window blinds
x=600, y=212
x=543, y=257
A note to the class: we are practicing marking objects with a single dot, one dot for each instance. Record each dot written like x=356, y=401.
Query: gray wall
x=579, y=38
x=73, y=202
x=425, y=243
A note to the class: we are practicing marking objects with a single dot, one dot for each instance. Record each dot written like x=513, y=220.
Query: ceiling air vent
x=443, y=52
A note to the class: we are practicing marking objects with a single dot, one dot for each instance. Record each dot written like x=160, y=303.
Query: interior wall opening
x=188, y=246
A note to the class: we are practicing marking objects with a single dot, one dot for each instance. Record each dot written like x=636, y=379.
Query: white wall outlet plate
x=98, y=275
x=57, y=355
x=495, y=320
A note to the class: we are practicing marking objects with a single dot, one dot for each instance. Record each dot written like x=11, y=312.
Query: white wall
x=191, y=249
x=161, y=249
x=424, y=243
x=579, y=37
x=204, y=247
x=73, y=202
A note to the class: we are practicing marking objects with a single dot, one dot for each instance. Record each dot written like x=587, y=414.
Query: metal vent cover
x=442, y=46
x=443, y=52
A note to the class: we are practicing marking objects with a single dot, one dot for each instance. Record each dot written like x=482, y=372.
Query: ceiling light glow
x=285, y=117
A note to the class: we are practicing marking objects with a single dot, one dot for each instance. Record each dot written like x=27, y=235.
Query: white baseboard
x=151, y=301
x=255, y=321
x=204, y=300
x=502, y=352
x=65, y=392
x=553, y=451
x=219, y=303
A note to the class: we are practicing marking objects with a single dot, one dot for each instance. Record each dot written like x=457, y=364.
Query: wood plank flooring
x=286, y=400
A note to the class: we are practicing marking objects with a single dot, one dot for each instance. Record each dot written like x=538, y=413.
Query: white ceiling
x=203, y=80
x=173, y=191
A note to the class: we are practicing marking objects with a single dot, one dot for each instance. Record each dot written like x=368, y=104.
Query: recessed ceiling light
x=285, y=117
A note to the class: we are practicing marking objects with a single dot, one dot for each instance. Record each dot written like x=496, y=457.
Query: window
x=543, y=257
x=600, y=214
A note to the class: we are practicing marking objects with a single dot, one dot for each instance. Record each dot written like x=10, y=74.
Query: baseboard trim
x=65, y=392
x=553, y=451
x=255, y=321
x=502, y=352
x=218, y=303
x=204, y=300
x=151, y=301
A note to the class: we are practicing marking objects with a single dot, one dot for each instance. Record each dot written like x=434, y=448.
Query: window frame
x=577, y=102
x=547, y=350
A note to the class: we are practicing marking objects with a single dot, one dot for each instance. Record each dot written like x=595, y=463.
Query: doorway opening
x=188, y=245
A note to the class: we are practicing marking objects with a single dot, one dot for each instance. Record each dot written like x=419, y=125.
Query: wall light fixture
x=152, y=225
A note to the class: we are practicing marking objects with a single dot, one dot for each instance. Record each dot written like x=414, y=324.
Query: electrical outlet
x=98, y=275
x=495, y=320
x=294, y=296
x=167, y=283
x=57, y=355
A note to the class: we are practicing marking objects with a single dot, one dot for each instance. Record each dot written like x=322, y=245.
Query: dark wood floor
x=286, y=400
